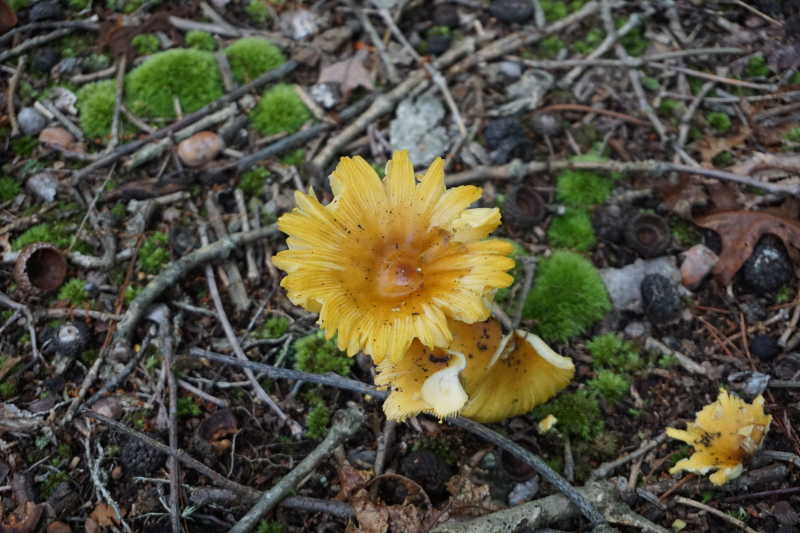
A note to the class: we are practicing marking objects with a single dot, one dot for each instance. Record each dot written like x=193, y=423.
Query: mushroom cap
x=389, y=261
x=724, y=434
x=502, y=377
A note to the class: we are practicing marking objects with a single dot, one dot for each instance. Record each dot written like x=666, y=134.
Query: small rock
x=299, y=24
x=769, y=267
x=326, y=94
x=446, y=15
x=200, y=148
x=31, y=122
x=513, y=11
x=697, y=263
x=635, y=330
x=510, y=69
x=427, y=469
x=523, y=492
x=58, y=137
x=547, y=124
x=660, y=299
x=526, y=94
x=749, y=384
x=45, y=59
x=786, y=514
x=506, y=139
x=416, y=129
x=765, y=347
x=64, y=100
x=47, y=10
x=43, y=185
x=438, y=43
x=623, y=284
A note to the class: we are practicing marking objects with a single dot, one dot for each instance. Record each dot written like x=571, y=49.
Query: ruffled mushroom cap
x=482, y=375
x=724, y=434
x=389, y=261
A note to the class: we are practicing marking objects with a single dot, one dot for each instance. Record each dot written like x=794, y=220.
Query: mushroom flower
x=724, y=434
x=482, y=375
x=389, y=261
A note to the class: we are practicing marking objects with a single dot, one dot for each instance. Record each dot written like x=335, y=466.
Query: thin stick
x=529, y=266
x=606, y=468
x=8, y=302
x=295, y=428
x=120, y=89
x=509, y=170
x=27, y=44
x=377, y=42
x=434, y=73
x=629, y=62
x=62, y=119
x=12, y=89
x=170, y=275
x=346, y=423
x=250, y=258
x=703, y=507
x=88, y=24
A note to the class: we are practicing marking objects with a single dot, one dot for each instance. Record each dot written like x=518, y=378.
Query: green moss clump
x=270, y=526
x=257, y=11
x=719, y=121
x=201, y=40
x=253, y=181
x=551, y=46
x=609, y=385
x=274, y=327
x=24, y=146
x=74, y=292
x=154, y=253
x=723, y=159
x=651, y=84
x=793, y=135
x=96, y=105
x=16, y=5
x=251, y=57
x=572, y=230
x=578, y=413
x=554, y=10
x=612, y=351
x=294, y=158
x=279, y=110
x=590, y=41
x=317, y=422
x=685, y=233
x=191, y=76
x=146, y=44
x=9, y=189
x=634, y=41
x=568, y=296
x=7, y=389
x=53, y=233
x=582, y=188
x=757, y=67
x=188, y=407
x=131, y=292
x=78, y=5
x=670, y=106
x=315, y=354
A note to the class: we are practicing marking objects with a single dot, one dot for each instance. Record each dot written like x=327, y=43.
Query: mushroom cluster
x=402, y=269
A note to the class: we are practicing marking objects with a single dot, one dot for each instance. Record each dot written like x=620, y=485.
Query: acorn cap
x=648, y=234
x=40, y=268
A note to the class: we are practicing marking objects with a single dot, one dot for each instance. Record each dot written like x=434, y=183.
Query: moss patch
x=279, y=110
x=96, y=106
x=572, y=230
x=568, y=296
x=578, y=414
x=191, y=76
x=251, y=57
x=313, y=353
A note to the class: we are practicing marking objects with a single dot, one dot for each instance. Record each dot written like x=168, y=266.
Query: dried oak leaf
x=104, y=515
x=23, y=521
x=740, y=232
x=711, y=147
x=350, y=73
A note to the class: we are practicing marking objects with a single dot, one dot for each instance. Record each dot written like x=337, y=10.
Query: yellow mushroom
x=481, y=375
x=724, y=434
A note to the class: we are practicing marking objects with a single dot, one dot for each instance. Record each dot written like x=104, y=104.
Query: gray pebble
x=31, y=122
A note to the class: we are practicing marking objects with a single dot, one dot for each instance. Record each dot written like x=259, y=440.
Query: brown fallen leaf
x=682, y=197
x=350, y=73
x=8, y=19
x=740, y=232
x=710, y=147
x=104, y=515
x=23, y=520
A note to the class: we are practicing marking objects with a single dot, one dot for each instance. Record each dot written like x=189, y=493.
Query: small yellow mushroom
x=724, y=434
